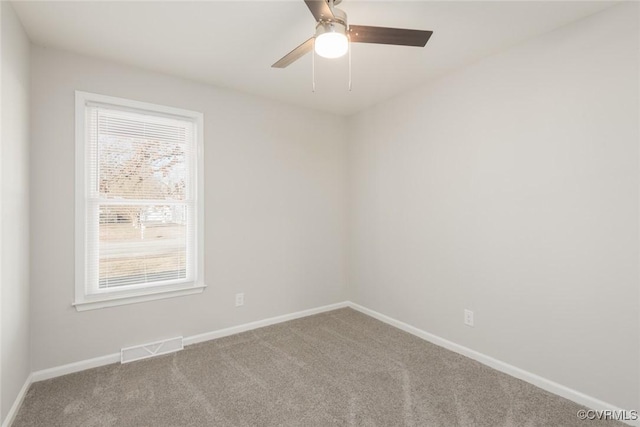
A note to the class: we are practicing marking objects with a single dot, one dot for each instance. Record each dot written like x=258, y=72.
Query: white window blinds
x=140, y=216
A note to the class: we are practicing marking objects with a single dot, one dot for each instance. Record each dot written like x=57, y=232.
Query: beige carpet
x=338, y=368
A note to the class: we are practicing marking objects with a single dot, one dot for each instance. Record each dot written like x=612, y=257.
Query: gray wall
x=275, y=210
x=511, y=188
x=15, y=354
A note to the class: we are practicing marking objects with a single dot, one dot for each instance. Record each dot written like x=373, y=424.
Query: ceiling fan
x=333, y=34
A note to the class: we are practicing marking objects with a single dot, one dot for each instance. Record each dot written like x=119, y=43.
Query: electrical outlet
x=468, y=317
x=239, y=300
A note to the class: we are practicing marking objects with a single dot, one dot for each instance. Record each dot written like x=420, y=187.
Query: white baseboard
x=538, y=381
x=82, y=365
x=11, y=415
x=261, y=323
x=70, y=368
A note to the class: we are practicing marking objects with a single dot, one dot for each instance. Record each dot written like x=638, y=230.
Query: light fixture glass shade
x=331, y=44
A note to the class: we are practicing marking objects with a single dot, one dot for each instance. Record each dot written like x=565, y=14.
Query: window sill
x=112, y=301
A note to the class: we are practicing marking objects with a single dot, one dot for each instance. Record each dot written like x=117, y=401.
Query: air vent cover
x=145, y=351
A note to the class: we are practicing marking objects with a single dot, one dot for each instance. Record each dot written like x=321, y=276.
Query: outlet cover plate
x=239, y=299
x=468, y=317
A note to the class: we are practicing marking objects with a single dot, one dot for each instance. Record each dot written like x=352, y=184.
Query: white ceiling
x=233, y=43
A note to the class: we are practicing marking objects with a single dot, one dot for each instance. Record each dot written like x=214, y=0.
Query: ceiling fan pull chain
x=313, y=67
x=349, y=39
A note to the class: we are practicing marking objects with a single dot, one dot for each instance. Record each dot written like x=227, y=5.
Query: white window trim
x=120, y=297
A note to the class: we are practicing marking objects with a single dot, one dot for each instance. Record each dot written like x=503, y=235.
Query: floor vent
x=146, y=351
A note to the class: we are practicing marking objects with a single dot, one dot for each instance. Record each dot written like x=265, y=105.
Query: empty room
x=319, y=213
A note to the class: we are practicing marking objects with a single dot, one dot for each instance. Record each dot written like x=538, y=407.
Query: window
x=139, y=204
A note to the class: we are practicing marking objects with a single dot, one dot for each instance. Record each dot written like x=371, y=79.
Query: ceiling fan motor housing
x=324, y=27
x=337, y=24
x=339, y=15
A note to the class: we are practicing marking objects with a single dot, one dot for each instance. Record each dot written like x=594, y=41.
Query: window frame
x=109, y=298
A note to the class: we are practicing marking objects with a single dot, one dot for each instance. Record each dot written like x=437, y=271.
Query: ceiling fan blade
x=382, y=35
x=295, y=54
x=319, y=9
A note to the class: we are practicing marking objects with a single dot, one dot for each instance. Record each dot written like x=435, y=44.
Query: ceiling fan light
x=331, y=40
